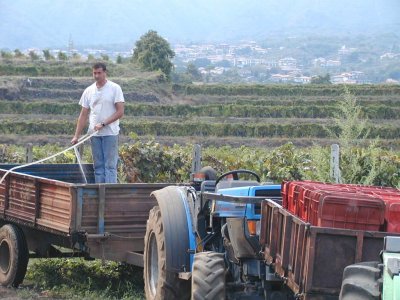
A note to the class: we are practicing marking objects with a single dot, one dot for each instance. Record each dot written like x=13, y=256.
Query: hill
x=46, y=23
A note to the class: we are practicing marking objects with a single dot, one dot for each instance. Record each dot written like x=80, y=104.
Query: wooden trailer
x=45, y=206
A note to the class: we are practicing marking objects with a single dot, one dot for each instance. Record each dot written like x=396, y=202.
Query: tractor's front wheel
x=158, y=282
x=208, y=276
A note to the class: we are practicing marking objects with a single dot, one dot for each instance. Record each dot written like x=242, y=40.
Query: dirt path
x=9, y=293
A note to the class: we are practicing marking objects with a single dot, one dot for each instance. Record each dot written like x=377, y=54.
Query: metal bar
x=79, y=208
x=94, y=236
x=234, y=199
x=102, y=202
x=134, y=258
x=78, y=158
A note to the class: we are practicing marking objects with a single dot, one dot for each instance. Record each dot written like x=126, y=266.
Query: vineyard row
x=159, y=128
x=209, y=110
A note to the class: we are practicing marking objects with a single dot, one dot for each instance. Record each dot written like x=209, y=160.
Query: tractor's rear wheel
x=158, y=282
x=14, y=255
x=361, y=282
x=208, y=276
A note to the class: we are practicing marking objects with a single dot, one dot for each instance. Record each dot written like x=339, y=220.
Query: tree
x=193, y=72
x=33, y=55
x=321, y=79
x=76, y=56
x=152, y=53
x=202, y=62
x=47, y=55
x=104, y=57
x=18, y=54
x=5, y=55
x=119, y=59
x=91, y=58
x=62, y=56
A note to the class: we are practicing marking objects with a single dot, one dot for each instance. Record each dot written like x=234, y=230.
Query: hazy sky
x=48, y=23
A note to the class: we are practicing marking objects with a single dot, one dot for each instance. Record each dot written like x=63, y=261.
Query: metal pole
x=196, y=163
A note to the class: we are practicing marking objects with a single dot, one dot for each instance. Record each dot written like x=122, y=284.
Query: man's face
x=99, y=74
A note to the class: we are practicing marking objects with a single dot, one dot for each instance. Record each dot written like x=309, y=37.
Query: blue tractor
x=202, y=240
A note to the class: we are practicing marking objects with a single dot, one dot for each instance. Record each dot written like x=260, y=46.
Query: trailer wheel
x=14, y=255
x=208, y=276
x=158, y=282
x=361, y=281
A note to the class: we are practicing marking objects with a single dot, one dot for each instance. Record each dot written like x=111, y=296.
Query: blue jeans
x=105, y=158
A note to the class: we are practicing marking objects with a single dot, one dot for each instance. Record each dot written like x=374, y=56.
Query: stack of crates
x=346, y=206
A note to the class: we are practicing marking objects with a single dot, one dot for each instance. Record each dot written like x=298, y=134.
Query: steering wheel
x=235, y=175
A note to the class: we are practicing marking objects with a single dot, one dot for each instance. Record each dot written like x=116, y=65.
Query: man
x=103, y=103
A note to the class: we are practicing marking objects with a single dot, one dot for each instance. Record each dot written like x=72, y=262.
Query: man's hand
x=74, y=140
x=98, y=126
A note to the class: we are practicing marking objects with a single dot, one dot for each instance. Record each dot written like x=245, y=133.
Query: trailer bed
x=310, y=258
x=103, y=220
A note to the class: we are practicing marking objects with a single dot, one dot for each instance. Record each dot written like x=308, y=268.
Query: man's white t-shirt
x=101, y=102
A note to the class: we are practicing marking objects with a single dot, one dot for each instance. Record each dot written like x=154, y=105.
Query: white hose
x=81, y=141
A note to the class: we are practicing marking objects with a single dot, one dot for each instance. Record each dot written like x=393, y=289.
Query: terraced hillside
x=44, y=109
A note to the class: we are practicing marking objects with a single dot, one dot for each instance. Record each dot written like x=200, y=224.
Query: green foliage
x=369, y=165
x=287, y=163
x=78, y=279
x=105, y=57
x=152, y=162
x=285, y=90
x=5, y=55
x=321, y=79
x=153, y=53
x=238, y=109
x=195, y=128
x=47, y=55
x=33, y=56
x=62, y=56
x=18, y=54
x=193, y=72
x=352, y=126
x=91, y=58
x=11, y=154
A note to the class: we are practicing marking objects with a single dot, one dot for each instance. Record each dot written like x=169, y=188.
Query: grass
x=76, y=278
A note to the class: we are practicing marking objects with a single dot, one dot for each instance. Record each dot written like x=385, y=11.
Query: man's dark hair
x=99, y=65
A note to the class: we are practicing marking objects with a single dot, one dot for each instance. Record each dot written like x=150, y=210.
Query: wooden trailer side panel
x=313, y=259
x=36, y=202
x=118, y=211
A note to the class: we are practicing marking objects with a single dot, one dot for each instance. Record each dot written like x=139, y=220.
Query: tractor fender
x=180, y=241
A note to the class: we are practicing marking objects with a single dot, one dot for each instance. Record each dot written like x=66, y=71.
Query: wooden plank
x=7, y=194
x=37, y=201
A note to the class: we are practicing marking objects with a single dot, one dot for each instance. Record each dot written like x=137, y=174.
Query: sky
x=51, y=23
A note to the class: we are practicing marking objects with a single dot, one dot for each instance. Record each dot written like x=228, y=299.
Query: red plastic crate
x=284, y=192
x=351, y=211
x=302, y=199
x=291, y=197
x=393, y=216
x=391, y=197
x=305, y=201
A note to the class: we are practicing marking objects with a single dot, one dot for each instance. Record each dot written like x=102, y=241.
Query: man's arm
x=119, y=113
x=82, y=120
